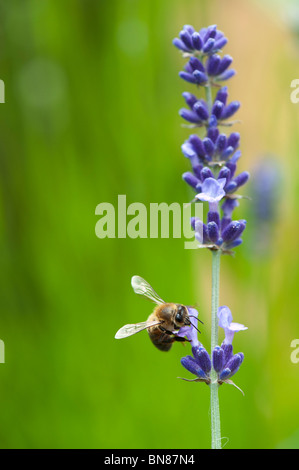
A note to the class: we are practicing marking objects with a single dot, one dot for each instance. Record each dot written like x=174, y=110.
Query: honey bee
x=166, y=319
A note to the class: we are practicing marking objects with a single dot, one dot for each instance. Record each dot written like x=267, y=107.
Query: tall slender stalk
x=208, y=92
x=215, y=413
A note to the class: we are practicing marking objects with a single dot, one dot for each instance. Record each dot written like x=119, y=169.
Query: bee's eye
x=179, y=317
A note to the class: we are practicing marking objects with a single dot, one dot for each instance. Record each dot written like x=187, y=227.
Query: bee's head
x=181, y=316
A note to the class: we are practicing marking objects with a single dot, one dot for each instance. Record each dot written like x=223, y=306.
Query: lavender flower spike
x=213, y=156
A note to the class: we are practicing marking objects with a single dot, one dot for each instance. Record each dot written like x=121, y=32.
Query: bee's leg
x=181, y=339
x=166, y=332
x=167, y=336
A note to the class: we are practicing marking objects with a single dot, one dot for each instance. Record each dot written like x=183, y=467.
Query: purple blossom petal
x=189, y=331
x=225, y=321
x=212, y=190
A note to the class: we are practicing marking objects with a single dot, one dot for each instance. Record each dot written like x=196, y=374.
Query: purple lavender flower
x=207, y=40
x=225, y=321
x=215, y=148
x=219, y=113
x=214, y=156
x=190, y=332
x=199, y=364
x=212, y=191
x=224, y=362
x=222, y=234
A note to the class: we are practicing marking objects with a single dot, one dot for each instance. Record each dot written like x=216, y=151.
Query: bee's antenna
x=193, y=326
x=193, y=316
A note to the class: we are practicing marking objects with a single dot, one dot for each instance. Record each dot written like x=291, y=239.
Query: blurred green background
x=92, y=98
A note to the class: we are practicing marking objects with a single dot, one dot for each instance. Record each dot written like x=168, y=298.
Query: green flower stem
x=215, y=413
x=208, y=92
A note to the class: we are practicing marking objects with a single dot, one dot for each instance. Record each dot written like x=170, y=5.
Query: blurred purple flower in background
x=266, y=204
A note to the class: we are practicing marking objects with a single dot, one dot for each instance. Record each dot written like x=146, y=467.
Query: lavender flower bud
x=213, y=216
x=224, y=64
x=197, y=41
x=242, y=178
x=190, y=99
x=196, y=142
x=200, y=77
x=190, y=179
x=189, y=116
x=189, y=28
x=233, y=231
x=231, y=187
x=196, y=64
x=224, y=173
x=222, y=95
x=226, y=75
x=208, y=45
x=218, y=358
x=210, y=32
x=232, y=365
x=188, y=77
x=217, y=109
x=230, y=110
x=186, y=39
x=221, y=142
x=227, y=152
x=206, y=173
x=212, y=121
x=202, y=357
x=233, y=140
x=180, y=45
x=201, y=110
x=220, y=43
x=191, y=365
x=213, y=232
x=227, y=351
x=208, y=146
x=213, y=64
x=213, y=134
x=225, y=374
x=197, y=171
x=234, y=244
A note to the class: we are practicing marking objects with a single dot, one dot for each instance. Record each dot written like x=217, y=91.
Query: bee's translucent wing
x=142, y=287
x=129, y=330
